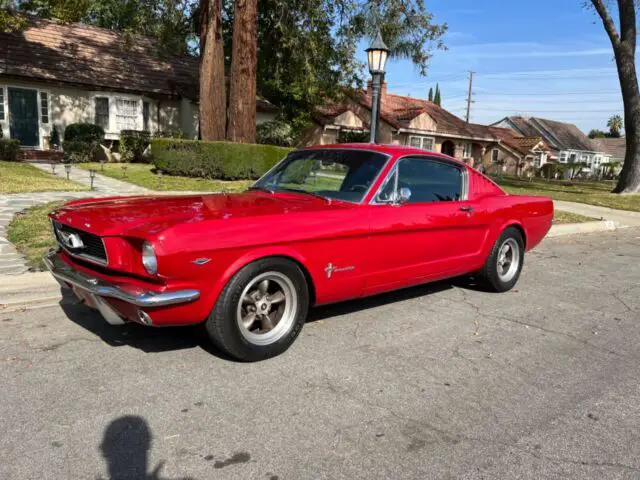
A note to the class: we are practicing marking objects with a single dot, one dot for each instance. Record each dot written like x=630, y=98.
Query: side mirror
x=403, y=196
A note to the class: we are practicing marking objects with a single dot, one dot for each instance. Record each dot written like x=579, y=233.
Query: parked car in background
x=326, y=224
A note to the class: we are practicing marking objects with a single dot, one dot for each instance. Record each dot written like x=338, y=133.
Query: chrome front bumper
x=66, y=275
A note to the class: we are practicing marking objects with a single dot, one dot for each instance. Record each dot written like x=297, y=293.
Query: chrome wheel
x=508, y=260
x=267, y=308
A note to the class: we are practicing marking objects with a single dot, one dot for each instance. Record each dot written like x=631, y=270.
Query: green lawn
x=143, y=174
x=16, y=177
x=31, y=233
x=581, y=191
x=567, y=217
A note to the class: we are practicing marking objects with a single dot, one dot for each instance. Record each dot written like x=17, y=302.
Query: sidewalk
x=623, y=218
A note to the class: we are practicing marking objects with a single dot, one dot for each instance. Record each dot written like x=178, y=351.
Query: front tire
x=502, y=269
x=261, y=311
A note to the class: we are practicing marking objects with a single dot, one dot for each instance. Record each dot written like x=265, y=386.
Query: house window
x=584, y=158
x=44, y=107
x=426, y=143
x=1, y=103
x=126, y=114
x=572, y=158
x=563, y=157
x=145, y=116
x=102, y=112
x=467, y=151
x=495, y=155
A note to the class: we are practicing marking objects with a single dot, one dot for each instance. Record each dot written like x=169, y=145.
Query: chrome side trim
x=65, y=273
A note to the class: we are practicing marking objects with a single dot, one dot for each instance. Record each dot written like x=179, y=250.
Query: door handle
x=466, y=209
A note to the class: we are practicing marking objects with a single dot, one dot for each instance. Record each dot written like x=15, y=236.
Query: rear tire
x=502, y=269
x=261, y=311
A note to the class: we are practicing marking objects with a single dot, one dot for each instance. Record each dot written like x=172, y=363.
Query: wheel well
x=521, y=230
x=305, y=272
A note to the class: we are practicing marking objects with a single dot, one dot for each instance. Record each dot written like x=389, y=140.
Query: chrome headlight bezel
x=149, y=259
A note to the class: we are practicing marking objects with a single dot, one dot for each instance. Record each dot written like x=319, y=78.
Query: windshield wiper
x=261, y=189
x=299, y=190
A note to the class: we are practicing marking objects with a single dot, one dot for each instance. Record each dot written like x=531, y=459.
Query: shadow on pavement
x=150, y=339
x=125, y=447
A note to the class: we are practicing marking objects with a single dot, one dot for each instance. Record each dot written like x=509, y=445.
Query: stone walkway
x=102, y=184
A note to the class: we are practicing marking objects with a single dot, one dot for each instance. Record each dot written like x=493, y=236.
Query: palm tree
x=615, y=124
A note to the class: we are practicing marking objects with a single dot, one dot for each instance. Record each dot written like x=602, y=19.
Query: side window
x=430, y=180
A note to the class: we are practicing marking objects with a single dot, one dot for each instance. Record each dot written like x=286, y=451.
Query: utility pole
x=469, y=101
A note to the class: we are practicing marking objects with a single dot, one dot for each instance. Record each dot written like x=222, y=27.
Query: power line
x=520, y=94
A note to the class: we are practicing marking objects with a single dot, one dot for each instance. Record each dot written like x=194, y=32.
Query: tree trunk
x=630, y=176
x=213, y=100
x=242, y=101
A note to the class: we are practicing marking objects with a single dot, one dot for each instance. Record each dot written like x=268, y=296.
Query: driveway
x=439, y=381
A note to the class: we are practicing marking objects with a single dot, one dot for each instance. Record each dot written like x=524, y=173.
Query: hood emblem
x=71, y=240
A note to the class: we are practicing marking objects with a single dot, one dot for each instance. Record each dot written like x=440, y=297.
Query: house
x=418, y=122
x=566, y=142
x=57, y=74
x=616, y=148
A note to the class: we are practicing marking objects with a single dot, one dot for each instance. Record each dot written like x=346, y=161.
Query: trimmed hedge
x=9, y=149
x=217, y=160
x=133, y=143
x=85, y=132
x=82, y=142
x=76, y=151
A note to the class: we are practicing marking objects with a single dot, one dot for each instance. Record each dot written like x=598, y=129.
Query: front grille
x=92, y=247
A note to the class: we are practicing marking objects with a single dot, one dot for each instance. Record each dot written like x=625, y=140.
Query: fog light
x=149, y=260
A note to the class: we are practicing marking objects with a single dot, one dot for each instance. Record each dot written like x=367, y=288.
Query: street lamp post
x=377, y=55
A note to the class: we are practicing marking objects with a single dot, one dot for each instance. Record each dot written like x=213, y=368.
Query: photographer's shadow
x=125, y=447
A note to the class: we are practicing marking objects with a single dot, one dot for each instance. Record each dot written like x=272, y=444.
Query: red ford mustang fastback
x=326, y=224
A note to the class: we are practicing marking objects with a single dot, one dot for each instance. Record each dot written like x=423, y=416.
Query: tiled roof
x=616, y=147
x=399, y=111
x=559, y=135
x=81, y=54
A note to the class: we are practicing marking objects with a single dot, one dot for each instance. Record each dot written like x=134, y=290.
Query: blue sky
x=541, y=58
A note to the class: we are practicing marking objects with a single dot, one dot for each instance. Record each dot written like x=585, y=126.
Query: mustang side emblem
x=71, y=240
x=331, y=269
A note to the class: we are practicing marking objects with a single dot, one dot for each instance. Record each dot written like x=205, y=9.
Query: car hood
x=153, y=214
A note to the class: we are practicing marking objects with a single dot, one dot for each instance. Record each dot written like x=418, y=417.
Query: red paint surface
x=388, y=246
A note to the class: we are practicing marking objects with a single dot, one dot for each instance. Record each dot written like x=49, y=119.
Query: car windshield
x=332, y=173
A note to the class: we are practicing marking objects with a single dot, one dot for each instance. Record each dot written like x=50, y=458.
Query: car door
x=434, y=233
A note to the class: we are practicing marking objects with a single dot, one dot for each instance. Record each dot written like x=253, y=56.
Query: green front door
x=23, y=116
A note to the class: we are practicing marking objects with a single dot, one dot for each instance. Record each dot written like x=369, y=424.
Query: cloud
x=533, y=54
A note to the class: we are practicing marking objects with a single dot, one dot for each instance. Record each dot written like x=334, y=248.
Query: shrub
x=79, y=151
x=275, y=133
x=55, y=137
x=133, y=143
x=9, y=149
x=219, y=160
x=86, y=132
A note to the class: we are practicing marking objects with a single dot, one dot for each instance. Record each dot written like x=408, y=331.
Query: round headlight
x=149, y=260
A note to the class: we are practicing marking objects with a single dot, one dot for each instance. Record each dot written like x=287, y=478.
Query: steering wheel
x=358, y=188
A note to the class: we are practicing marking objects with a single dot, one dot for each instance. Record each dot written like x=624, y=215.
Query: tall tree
x=437, y=98
x=242, y=99
x=431, y=94
x=596, y=133
x=213, y=99
x=624, y=49
x=615, y=124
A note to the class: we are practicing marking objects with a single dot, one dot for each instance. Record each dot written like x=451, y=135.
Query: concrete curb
x=586, y=227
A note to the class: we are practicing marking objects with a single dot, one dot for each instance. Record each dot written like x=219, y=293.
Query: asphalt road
x=440, y=381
